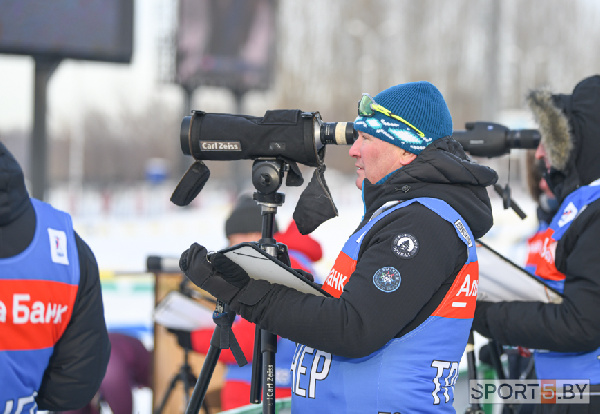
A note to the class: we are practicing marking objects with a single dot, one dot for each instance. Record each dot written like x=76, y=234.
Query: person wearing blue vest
x=54, y=345
x=565, y=337
x=391, y=333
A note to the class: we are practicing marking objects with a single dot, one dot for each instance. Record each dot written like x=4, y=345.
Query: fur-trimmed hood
x=570, y=131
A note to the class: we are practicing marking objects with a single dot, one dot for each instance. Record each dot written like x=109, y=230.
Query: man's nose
x=353, y=151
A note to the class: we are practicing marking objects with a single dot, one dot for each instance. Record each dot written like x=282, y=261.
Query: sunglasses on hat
x=367, y=107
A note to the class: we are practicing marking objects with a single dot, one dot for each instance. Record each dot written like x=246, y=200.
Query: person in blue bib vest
x=390, y=336
x=565, y=336
x=54, y=345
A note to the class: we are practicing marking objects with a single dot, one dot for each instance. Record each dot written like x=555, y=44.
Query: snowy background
x=124, y=227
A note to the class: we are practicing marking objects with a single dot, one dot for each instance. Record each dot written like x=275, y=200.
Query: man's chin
x=359, y=182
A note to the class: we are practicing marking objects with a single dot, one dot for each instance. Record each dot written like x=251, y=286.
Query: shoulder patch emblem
x=463, y=231
x=58, y=246
x=405, y=246
x=387, y=279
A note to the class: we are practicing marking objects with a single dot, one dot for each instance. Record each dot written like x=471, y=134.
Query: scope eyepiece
x=184, y=135
x=340, y=133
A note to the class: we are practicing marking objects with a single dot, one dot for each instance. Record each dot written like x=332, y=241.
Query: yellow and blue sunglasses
x=367, y=107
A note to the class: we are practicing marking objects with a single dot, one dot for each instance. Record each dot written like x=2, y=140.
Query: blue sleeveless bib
x=37, y=292
x=561, y=365
x=414, y=373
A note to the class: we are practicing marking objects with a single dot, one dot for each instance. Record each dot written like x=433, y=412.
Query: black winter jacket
x=364, y=318
x=573, y=325
x=80, y=357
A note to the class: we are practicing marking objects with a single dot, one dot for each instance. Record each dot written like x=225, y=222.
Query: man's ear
x=407, y=157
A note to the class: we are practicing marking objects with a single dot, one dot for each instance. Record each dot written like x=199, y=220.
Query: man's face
x=545, y=188
x=541, y=154
x=376, y=158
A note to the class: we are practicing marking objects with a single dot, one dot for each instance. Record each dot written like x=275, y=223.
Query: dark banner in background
x=100, y=30
x=226, y=43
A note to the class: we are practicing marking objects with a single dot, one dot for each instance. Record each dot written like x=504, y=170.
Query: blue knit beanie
x=420, y=104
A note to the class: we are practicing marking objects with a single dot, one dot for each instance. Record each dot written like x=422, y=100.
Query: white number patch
x=299, y=370
x=449, y=372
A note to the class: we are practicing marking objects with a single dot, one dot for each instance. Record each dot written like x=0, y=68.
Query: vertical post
x=76, y=164
x=38, y=148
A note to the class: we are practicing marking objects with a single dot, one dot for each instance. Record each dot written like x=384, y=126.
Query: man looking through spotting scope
x=392, y=333
x=566, y=335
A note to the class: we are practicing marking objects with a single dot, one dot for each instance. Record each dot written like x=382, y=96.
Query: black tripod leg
x=222, y=338
x=184, y=375
x=210, y=362
x=256, y=381
x=165, y=398
x=269, y=348
x=188, y=379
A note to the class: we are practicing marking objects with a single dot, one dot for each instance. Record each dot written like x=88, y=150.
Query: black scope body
x=487, y=139
x=290, y=134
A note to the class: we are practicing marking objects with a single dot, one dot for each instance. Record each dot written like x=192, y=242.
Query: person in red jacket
x=243, y=225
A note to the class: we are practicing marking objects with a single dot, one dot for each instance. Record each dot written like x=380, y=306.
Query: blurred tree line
x=115, y=151
x=483, y=55
x=333, y=52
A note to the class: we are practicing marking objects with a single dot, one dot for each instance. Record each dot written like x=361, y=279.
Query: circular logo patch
x=387, y=279
x=405, y=245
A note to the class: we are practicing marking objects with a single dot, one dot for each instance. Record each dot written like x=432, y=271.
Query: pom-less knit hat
x=245, y=217
x=419, y=103
x=14, y=198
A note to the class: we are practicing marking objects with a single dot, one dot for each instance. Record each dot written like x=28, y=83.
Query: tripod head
x=267, y=177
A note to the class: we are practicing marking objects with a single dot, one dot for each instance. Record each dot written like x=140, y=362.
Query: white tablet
x=261, y=265
x=503, y=280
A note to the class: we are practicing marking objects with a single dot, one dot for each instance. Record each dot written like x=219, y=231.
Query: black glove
x=480, y=321
x=184, y=338
x=307, y=275
x=194, y=263
x=230, y=271
x=219, y=276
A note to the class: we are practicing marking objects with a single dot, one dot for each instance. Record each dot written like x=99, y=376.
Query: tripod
x=186, y=376
x=267, y=177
